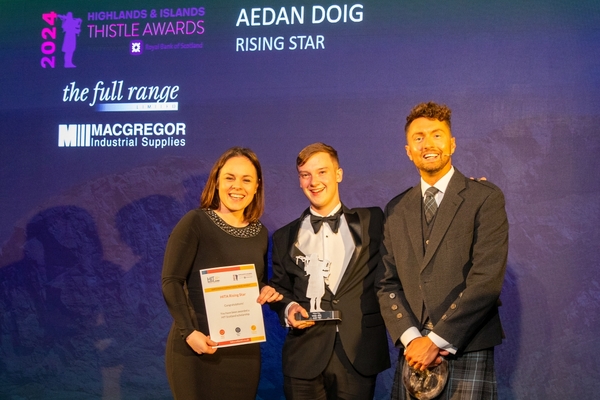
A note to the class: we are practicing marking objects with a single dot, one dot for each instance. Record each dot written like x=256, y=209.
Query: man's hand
x=200, y=343
x=268, y=294
x=295, y=308
x=422, y=353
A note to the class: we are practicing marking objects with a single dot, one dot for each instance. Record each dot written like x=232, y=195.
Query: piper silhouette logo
x=71, y=27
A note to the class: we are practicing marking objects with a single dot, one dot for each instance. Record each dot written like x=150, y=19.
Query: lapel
x=294, y=251
x=412, y=216
x=353, y=220
x=445, y=214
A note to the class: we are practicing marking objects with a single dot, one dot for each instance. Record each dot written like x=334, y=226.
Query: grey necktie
x=430, y=204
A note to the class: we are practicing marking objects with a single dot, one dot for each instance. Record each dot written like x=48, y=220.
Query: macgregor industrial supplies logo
x=155, y=135
x=118, y=97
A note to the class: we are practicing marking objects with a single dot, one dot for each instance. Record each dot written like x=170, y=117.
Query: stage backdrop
x=112, y=113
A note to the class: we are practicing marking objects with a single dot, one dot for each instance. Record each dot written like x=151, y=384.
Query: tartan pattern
x=430, y=204
x=470, y=377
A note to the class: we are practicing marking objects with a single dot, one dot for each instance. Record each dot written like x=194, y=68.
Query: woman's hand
x=268, y=295
x=200, y=343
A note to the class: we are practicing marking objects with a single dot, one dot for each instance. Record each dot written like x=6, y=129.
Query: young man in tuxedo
x=338, y=358
x=444, y=256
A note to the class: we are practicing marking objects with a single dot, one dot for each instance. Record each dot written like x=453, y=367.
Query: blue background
x=83, y=230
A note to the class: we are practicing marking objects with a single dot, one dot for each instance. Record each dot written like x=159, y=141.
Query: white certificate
x=234, y=316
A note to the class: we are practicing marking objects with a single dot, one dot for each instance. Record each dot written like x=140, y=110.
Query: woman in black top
x=224, y=231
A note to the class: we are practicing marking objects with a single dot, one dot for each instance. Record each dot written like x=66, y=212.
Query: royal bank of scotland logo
x=136, y=47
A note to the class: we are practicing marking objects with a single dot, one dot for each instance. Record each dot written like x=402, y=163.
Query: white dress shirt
x=337, y=248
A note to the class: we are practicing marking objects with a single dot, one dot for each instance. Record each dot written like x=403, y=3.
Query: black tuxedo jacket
x=459, y=276
x=306, y=352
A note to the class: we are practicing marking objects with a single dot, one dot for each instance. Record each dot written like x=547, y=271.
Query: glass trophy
x=317, y=270
x=425, y=385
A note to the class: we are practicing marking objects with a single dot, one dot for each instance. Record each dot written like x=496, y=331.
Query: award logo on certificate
x=234, y=316
x=317, y=270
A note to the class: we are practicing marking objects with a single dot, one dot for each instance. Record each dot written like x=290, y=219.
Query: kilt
x=471, y=376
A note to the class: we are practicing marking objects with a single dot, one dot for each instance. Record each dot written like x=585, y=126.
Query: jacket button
x=336, y=301
x=394, y=307
x=399, y=315
x=453, y=306
x=392, y=295
x=444, y=317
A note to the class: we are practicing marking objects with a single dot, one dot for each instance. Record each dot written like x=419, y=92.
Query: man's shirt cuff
x=285, y=317
x=441, y=343
x=409, y=335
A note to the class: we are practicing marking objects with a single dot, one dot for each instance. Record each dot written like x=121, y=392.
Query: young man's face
x=430, y=145
x=319, y=178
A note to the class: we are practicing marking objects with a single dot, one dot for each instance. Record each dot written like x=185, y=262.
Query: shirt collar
x=440, y=185
x=336, y=209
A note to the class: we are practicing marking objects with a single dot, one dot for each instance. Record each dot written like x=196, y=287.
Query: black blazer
x=461, y=273
x=306, y=352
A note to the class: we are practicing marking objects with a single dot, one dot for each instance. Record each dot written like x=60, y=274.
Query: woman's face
x=237, y=184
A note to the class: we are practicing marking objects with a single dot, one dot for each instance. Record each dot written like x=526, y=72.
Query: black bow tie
x=333, y=221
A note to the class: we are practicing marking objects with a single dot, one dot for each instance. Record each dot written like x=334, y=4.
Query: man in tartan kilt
x=444, y=256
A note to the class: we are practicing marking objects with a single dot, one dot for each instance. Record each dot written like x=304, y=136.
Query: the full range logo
x=143, y=30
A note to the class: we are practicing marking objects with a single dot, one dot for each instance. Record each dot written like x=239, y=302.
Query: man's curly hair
x=429, y=110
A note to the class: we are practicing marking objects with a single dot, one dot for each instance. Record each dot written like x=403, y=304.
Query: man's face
x=430, y=145
x=319, y=178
